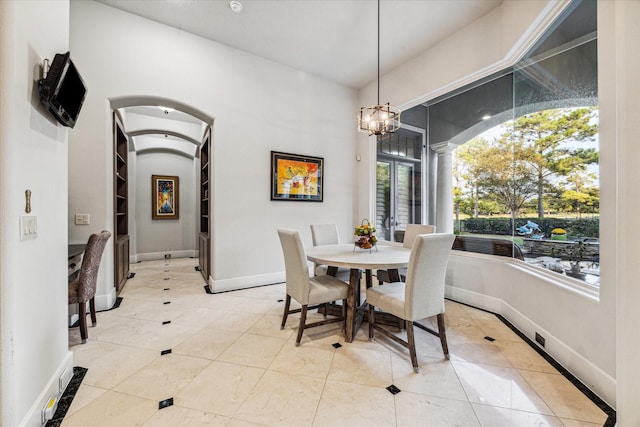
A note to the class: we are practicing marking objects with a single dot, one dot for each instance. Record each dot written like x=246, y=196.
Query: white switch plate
x=82, y=219
x=28, y=227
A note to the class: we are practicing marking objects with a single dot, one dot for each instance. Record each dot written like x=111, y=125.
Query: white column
x=444, y=185
x=431, y=190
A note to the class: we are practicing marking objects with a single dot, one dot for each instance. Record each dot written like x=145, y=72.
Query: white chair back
x=295, y=261
x=413, y=230
x=324, y=234
x=424, y=286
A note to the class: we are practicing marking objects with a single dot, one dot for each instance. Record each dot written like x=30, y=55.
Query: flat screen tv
x=62, y=90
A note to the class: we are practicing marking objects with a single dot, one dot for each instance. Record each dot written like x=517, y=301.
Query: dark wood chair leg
x=82, y=313
x=303, y=319
x=287, y=303
x=344, y=316
x=372, y=321
x=92, y=309
x=326, y=310
x=412, y=345
x=443, y=335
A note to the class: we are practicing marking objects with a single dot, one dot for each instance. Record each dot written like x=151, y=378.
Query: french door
x=397, y=197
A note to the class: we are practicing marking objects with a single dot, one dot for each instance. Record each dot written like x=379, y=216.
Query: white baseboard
x=151, y=256
x=245, y=282
x=589, y=374
x=33, y=418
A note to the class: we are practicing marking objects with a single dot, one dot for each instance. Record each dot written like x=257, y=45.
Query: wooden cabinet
x=204, y=236
x=120, y=202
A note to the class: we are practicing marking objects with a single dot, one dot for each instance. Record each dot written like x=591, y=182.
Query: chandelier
x=379, y=119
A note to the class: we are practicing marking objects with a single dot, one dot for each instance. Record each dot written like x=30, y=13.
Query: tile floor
x=231, y=365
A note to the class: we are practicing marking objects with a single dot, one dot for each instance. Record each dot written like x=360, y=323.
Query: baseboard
x=245, y=282
x=33, y=418
x=151, y=256
x=589, y=374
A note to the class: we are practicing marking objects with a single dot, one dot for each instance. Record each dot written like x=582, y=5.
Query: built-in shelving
x=204, y=236
x=120, y=202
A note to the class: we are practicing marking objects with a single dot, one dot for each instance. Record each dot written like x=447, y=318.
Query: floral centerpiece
x=365, y=237
x=558, y=234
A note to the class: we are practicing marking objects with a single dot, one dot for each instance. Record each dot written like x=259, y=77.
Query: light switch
x=82, y=219
x=28, y=227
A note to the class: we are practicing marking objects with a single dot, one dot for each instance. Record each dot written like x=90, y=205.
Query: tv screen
x=63, y=91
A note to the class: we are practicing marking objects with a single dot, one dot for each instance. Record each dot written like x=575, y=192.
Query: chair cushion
x=326, y=289
x=389, y=298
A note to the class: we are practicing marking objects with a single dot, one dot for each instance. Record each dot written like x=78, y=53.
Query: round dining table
x=389, y=257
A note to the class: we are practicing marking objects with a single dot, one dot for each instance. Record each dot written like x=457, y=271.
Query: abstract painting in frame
x=296, y=177
x=165, y=197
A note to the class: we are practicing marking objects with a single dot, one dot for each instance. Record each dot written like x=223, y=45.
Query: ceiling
x=334, y=39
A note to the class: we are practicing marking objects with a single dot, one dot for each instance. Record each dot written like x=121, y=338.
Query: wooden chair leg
x=412, y=345
x=303, y=319
x=443, y=335
x=372, y=321
x=287, y=303
x=326, y=310
x=92, y=310
x=82, y=313
x=344, y=316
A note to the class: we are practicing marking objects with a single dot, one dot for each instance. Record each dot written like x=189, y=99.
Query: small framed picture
x=296, y=177
x=165, y=197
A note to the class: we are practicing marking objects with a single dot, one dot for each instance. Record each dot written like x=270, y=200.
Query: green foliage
x=535, y=166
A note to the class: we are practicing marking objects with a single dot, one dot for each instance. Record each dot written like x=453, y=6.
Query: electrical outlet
x=82, y=219
x=62, y=381
x=540, y=339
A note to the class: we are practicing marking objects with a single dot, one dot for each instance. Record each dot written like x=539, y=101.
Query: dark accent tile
x=166, y=278
x=166, y=322
x=131, y=275
x=207, y=289
x=163, y=352
x=611, y=413
x=197, y=268
x=488, y=338
x=166, y=271
x=393, y=389
x=166, y=302
x=67, y=397
x=336, y=345
x=280, y=300
x=166, y=289
x=165, y=403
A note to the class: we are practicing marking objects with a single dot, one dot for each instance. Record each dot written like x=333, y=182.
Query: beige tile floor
x=231, y=365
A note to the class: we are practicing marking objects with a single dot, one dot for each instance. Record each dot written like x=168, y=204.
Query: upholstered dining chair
x=327, y=234
x=420, y=297
x=83, y=289
x=410, y=234
x=308, y=291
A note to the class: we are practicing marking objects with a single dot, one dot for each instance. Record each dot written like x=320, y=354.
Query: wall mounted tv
x=62, y=90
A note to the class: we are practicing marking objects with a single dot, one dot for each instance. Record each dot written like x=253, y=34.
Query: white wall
x=258, y=106
x=177, y=237
x=619, y=88
x=33, y=273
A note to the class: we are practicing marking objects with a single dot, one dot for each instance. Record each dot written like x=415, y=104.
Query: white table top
x=343, y=255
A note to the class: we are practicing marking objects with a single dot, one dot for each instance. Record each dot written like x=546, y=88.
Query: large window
x=526, y=166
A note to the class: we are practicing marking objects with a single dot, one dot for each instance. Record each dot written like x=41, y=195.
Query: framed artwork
x=165, y=197
x=296, y=177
